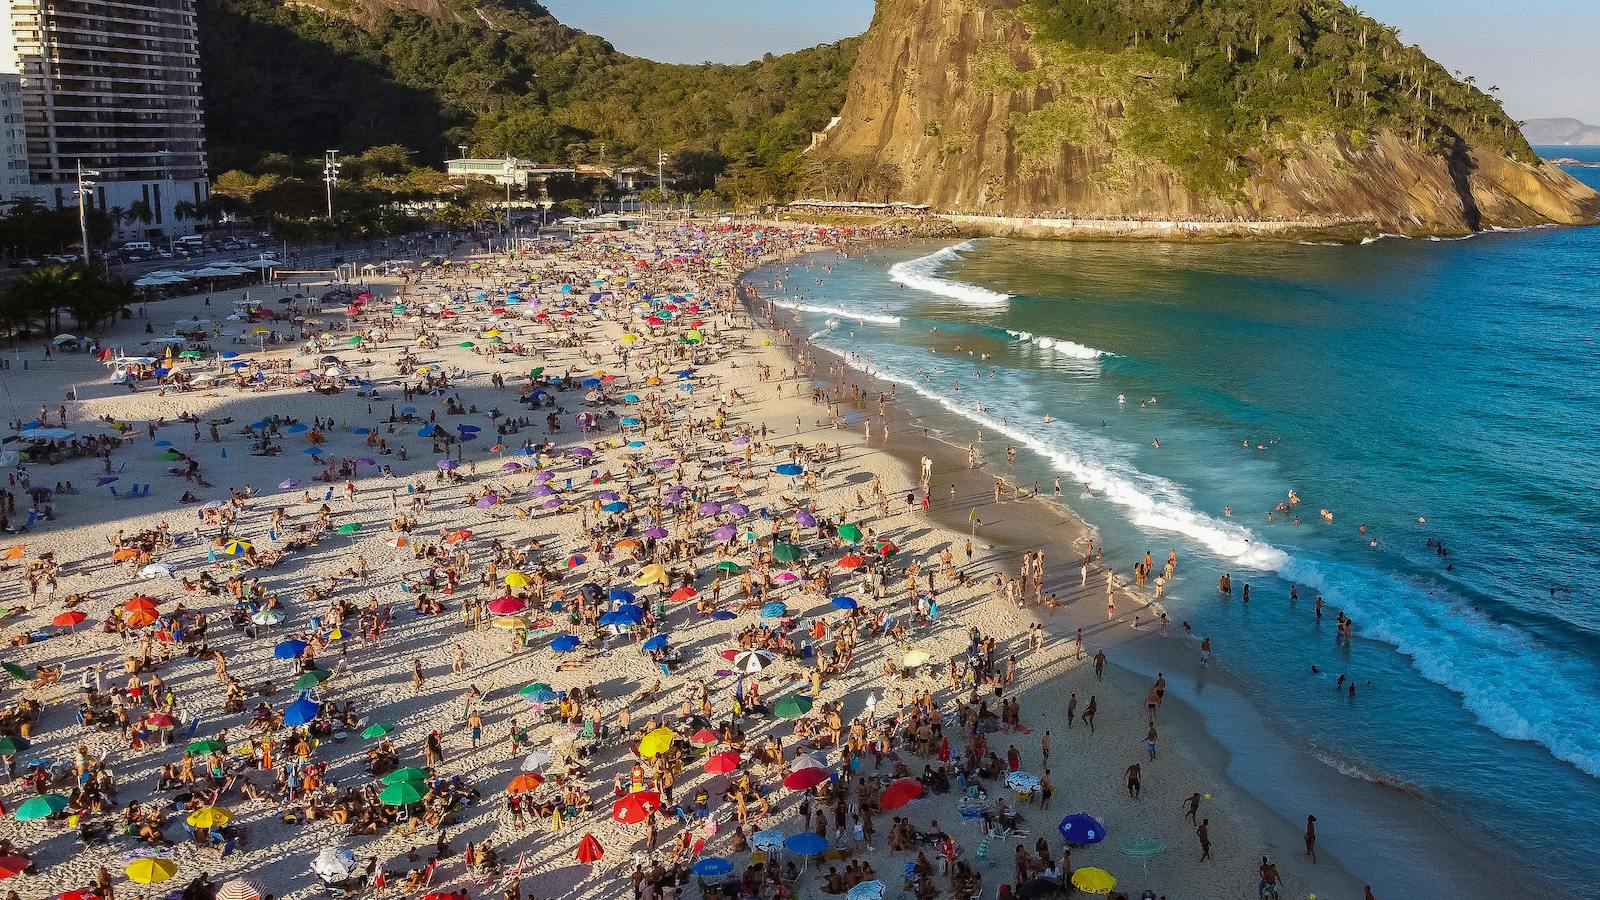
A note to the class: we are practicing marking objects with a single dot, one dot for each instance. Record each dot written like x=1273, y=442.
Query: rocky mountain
x=1184, y=109
x=1560, y=131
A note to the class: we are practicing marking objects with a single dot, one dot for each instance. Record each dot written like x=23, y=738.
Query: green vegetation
x=29, y=228
x=293, y=80
x=43, y=295
x=1207, y=87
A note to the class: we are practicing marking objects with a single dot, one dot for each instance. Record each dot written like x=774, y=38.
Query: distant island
x=1569, y=161
x=1561, y=131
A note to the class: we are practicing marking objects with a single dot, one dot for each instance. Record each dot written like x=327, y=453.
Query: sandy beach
x=456, y=579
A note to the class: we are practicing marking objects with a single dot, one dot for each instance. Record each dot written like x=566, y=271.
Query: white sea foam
x=923, y=274
x=1484, y=662
x=842, y=312
x=1059, y=345
x=1376, y=238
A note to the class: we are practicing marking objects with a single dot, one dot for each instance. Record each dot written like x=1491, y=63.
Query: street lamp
x=83, y=203
x=330, y=174
x=509, y=168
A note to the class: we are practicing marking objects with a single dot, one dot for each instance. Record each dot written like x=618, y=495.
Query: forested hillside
x=503, y=78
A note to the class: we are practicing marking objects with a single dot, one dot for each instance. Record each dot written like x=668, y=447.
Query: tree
x=575, y=206
x=46, y=292
x=185, y=209
x=140, y=211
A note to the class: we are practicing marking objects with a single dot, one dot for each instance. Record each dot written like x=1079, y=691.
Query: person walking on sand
x=1204, y=834
x=1192, y=807
x=416, y=676
x=1088, y=713
x=1099, y=665
x=1311, y=837
x=1150, y=741
x=1072, y=708
x=1134, y=781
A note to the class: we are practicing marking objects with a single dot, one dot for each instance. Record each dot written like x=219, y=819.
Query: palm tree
x=139, y=211
x=184, y=209
x=25, y=206
x=117, y=215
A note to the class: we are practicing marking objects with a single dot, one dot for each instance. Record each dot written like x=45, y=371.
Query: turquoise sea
x=1430, y=391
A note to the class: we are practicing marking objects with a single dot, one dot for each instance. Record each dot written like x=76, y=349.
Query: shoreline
x=1320, y=778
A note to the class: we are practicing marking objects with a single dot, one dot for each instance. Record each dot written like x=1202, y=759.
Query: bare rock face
x=961, y=105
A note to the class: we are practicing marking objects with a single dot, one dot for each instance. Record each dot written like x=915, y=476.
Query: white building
x=112, y=85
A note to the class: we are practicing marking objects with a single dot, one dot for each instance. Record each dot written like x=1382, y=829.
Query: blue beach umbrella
x=659, y=642
x=565, y=643
x=620, y=595
x=312, y=451
x=723, y=615
x=162, y=443
x=843, y=603
x=712, y=866
x=1082, y=829
x=427, y=430
x=289, y=649
x=298, y=428
x=789, y=469
x=301, y=711
x=806, y=843
x=774, y=610
x=614, y=507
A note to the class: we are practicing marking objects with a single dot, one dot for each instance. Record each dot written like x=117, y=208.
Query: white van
x=138, y=247
x=189, y=243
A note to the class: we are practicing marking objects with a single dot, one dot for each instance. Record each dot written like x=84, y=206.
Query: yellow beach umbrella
x=652, y=574
x=209, y=817
x=517, y=580
x=1091, y=880
x=493, y=332
x=914, y=658
x=151, y=871
x=511, y=623
x=656, y=742
x=629, y=338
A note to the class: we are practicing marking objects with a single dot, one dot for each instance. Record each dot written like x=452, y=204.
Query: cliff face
x=963, y=105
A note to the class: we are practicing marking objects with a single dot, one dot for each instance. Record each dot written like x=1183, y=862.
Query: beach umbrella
x=914, y=658
x=1091, y=880
x=312, y=679
x=656, y=532
x=161, y=721
x=289, y=483
x=240, y=889
x=157, y=570
x=12, y=744
x=401, y=793
x=887, y=548
x=510, y=623
x=684, y=593
x=636, y=807
x=806, y=843
x=750, y=662
x=292, y=648
x=349, y=528
x=447, y=464
x=409, y=773
x=506, y=606
x=659, y=642
x=209, y=745
x=301, y=711
x=769, y=840
x=269, y=616
x=866, y=890
x=376, y=730
x=209, y=817
x=1142, y=849
x=1022, y=782
x=725, y=533
x=656, y=742
x=775, y=609
x=79, y=894
x=525, y=783
x=139, y=618
x=517, y=580
x=151, y=870
x=41, y=807
x=729, y=566
x=69, y=619
x=785, y=552
x=850, y=532
x=805, y=779
x=850, y=561
x=589, y=850
x=1081, y=829
x=17, y=672
x=712, y=867
x=537, y=688
x=652, y=574
x=615, y=506
x=123, y=554
x=565, y=643
x=793, y=706
x=536, y=760
x=722, y=763
x=237, y=548
x=790, y=469
x=334, y=863
x=898, y=793
x=843, y=603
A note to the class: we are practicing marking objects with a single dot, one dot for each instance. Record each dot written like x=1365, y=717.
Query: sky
x=1543, y=54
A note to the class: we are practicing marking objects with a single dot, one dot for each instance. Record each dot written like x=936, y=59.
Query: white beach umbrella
x=536, y=760
x=157, y=570
x=804, y=761
x=240, y=889
x=334, y=863
x=751, y=661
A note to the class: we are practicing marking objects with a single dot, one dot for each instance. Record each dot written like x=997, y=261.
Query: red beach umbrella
x=722, y=763
x=704, y=737
x=899, y=793
x=524, y=783
x=69, y=618
x=589, y=850
x=506, y=606
x=684, y=593
x=850, y=561
x=636, y=807
x=805, y=779
x=12, y=865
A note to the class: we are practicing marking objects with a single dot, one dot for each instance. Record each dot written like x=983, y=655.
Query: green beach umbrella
x=466, y=344
x=536, y=372
x=356, y=339
x=311, y=680
x=538, y=687
x=785, y=553
x=41, y=807
x=410, y=773
x=850, y=532
x=191, y=354
x=496, y=340
x=17, y=672
x=729, y=566
x=11, y=745
x=207, y=746
x=349, y=528
x=376, y=731
x=401, y=793
x=793, y=706
x=169, y=456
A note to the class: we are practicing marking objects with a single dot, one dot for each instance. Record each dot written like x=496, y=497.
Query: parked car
x=24, y=263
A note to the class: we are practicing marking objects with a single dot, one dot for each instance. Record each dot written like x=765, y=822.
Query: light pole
x=509, y=168
x=83, y=204
x=330, y=174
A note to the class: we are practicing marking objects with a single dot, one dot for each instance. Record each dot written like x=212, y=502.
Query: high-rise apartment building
x=113, y=85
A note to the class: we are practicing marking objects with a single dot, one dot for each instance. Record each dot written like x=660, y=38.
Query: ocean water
x=1417, y=390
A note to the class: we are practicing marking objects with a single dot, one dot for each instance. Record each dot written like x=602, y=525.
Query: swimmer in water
x=1157, y=443
x=1047, y=419
x=1122, y=398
